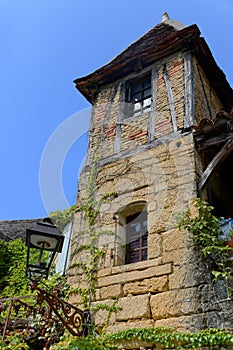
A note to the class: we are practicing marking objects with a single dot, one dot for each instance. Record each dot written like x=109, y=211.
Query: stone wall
x=165, y=289
x=207, y=103
x=162, y=176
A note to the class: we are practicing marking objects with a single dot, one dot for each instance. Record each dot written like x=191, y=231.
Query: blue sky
x=45, y=45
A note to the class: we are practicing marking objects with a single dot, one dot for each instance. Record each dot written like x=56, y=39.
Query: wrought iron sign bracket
x=76, y=321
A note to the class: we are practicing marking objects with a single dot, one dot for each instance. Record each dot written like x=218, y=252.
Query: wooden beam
x=151, y=126
x=189, y=100
x=214, y=141
x=170, y=97
x=120, y=117
x=215, y=163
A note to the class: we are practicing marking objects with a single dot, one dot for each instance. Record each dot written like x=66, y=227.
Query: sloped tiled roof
x=12, y=229
x=161, y=41
x=209, y=133
x=123, y=63
x=221, y=120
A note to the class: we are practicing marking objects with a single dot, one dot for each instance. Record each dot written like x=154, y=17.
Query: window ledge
x=135, y=117
x=141, y=265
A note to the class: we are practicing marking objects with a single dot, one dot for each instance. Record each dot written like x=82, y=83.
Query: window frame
x=138, y=247
x=121, y=215
x=141, y=87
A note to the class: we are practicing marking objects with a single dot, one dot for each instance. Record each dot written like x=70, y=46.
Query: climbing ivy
x=87, y=267
x=89, y=343
x=163, y=337
x=207, y=233
x=169, y=338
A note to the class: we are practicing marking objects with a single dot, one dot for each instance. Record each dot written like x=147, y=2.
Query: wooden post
x=151, y=126
x=7, y=321
x=120, y=117
x=215, y=163
x=170, y=97
x=189, y=100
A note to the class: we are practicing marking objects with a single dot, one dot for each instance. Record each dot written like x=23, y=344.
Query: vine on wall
x=207, y=232
x=86, y=257
x=151, y=338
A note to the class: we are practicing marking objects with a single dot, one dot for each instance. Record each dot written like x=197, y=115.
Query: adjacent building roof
x=214, y=132
x=164, y=39
x=12, y=229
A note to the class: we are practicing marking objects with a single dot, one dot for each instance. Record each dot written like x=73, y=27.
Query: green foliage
x=13, y=280
x=14, y=342
x=163, y=337
x=32, y=322
x=63, y=218
x=14, y=283
x=169, y=338
x=206, y=232
x=89, y=343
x=5, y=263
x=54, y=280
x=110, y=310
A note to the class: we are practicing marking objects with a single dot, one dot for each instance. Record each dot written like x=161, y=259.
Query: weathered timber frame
x=215, y=163
x=170, y=97
x=154, y=87
x=189, y=103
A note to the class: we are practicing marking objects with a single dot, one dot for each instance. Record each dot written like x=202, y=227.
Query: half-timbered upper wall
x=171, y=110
x=181, y=95
x=207, y=103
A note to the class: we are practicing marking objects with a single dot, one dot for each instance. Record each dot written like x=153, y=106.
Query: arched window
x=132, y=233
x=136, y=237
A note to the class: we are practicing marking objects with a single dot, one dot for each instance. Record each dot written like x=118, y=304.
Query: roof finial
x=165, y=17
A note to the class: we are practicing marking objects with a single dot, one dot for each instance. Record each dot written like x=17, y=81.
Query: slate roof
x=12, y=229
x=161, y=41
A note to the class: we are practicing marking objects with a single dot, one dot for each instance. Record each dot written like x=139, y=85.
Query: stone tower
x=161, y=128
